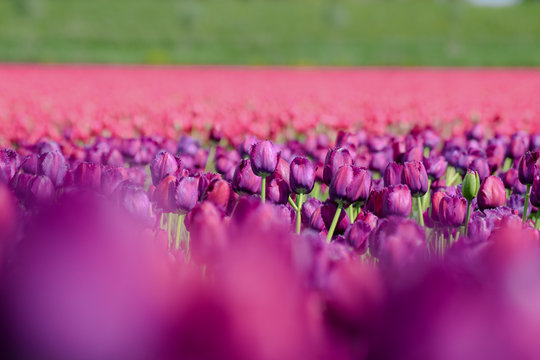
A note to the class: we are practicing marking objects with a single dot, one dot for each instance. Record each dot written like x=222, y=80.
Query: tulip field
x=269, y=213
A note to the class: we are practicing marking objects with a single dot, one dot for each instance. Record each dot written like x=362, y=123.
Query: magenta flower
x=264, y=158
x=392, y=174
x=302, y=175
x=186, y=194
x=335, y=159
x=491, y=193
x=162, y=165
x=244, y=180
x=397, y=201
x=415, y=177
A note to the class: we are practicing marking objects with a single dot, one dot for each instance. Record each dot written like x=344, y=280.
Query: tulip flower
x=53, y=165
x=277, y=191
x=264, y=161
x=415, y=176
x=519, y=144
x=392, y=174
x=245, y=146
x=41, y=190
x=435, y=167
x=9, y=165
x=452, y=211
x=244, y=180
x=481, y=166
x=528, y=166
x=186, y=193
x=111, y=177
x=219, y=193
x=491, y=193
x=357, y=236
x=397, y=201
x=302, y=176
x=162, y=165
x=29, y=164
x=88, y=175
x=335, y=158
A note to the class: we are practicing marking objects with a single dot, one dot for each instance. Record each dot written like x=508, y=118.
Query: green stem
x=169, y=223
x=334, y=222
x=263, y=189
x=291, y=201
x=426, y=151
x=420, y=211
x=179, y=224
x=467, y=218
x=526, y=206
x=210, y=159
x=300, y=201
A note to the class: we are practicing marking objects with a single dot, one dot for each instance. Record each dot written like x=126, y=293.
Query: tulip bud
x=277, y=191
x=359, y=188
x=302, y=175
x=528, y=166
x=30, y=164
x=415, y=177
x=9, y=164
x=392, y=174
x=335, y=158
x=470, y=185
x=452, y=211
x=316, y=221
x=357, y=236
x=397, y=201
x=162, y=165
x=491, y=193
x=186, y=194
x=88, y=175
x=164, y=194
x=41, y=190
x=53, y=165
x=435, y=167
x=375, y=202
x=535, y=191
x=264, y=158
x=216, y=133
x=436, y=215
x=308, y=208
x=244, y=180
x=219, y=193
x=338, y=186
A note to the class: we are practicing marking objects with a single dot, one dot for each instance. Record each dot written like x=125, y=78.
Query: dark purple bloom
x=40, y=190
x=340, y=182
x=130, y=147
x=415, y=177
x=397, y=201
x=316, y=221
x=135, y=200
x=164, y=194
x=245, y=146
x=357, y=236
x=207, y=233
x=360, y=186
x=244, y=180
x=495, y=154
x=113, y=158
x=54, y=166
x=452, y=211
x=111, y=177
x=477, y=132
x=435, y=167
x=335, y=158
x=415, y=153
x=219, y=193
x=375, y=201
x=283, y=170
x=491, y=193
x=392, y=174
x=481, y=166
x=308, y=208
x=29, y=164
x=216, y=133
x=186, y=193
x=380, y=160
x=277, y=191
x=162, y=165
x=9, y=165
x=436, y=214
x=528, y=166
x=430, y=138
x=20, y=183
x=535, y=191
x=397, y=242
x=302, y=175
x=328, y=210
x=88, y=175
x=264, y=158
x=519, y=144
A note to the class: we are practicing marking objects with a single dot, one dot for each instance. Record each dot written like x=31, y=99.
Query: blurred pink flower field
x=44, y=101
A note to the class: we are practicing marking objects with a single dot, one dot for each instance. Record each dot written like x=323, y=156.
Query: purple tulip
x=283, y=171
x=164, y=194
x=436, y=213
x=528, y=166
x=308, y=208
x=277, y=191
x=340, y=183
x=264, y=158
x=216, y=133
x=397, y=201
x=380, y=160
x=435, y=167
x=316, y=221
x=136, y=202
x=495, y=154
x=519, y=144
x=54, y=166
x=375, y=201
x=302, y=175
x=20, y=184
x=357, y=236
x=392, y=174
x=111, y=177
x=9, y=165
x=245, y=146
x=415, y=177
x=360, y=187
x=162, y=165
x=207, y=233
x=219, y=193
x=328, y=210
x=187, y=146
x=88, y=175
x=397, y=242
x=29, y=164
x=535, y=191
x=113, y=158
x=491, y=193
x=430, y=138
x=452, y=211
x=477, y=132
x=244, y=180
x=335, y=158
x=40, y=190
x=186, y=194
x=481, y=166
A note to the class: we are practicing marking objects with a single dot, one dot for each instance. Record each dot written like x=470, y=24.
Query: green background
x=270, y=32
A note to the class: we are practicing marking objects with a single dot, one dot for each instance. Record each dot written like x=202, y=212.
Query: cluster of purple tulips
x=366, y=247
